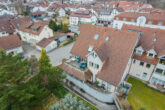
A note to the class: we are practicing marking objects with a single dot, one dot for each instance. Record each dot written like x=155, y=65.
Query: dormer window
x=160, y=23
x=132, y=20
x=150, y=22
x=151, y=55
x=139, y=50
x=124, y=19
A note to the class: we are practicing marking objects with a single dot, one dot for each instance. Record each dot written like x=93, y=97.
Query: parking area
x=56, y=55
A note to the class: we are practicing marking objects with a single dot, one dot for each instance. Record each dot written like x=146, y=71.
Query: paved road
x=56, y=55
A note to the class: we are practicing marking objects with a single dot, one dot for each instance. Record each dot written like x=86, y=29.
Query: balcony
x=77, y=68
x=77, y=64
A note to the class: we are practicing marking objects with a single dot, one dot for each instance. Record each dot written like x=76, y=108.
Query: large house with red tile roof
x=82, y=16
x=148, y=62
x=33, y=32
x=102, y=55
x=151, y=20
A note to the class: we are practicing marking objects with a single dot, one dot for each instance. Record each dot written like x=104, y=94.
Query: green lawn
x=143, y=97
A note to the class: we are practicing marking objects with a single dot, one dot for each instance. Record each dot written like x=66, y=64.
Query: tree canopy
x=21, y=81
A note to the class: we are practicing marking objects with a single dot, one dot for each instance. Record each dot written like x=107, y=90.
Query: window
x=160, y=23
x=144, y=75
x=150, y=22
x=96, y=37
x=138, y=75
x=160, y=71
x=141, y=63
x=132, y=20
x=91, y=64
x=109, y=86
x=139, y=52
x=134, y=61
x=148, y=65
x=124, y=19
x=151, y=55
x=97, y=66
x=117, y=18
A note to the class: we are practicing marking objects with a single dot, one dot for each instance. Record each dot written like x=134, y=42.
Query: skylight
x=107, y=38
x=96, y=37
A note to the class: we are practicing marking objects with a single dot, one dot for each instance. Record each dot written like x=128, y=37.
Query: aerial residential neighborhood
x=82, y=55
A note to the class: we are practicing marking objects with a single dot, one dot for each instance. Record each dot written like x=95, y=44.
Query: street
x=55, y=55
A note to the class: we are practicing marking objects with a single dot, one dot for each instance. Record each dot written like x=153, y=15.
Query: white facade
x=141, y=70
x=38, y=8
x=49, y=47
x=140, y=21
x=33, y=38
x=73, y=20
x=15, y=51
x=94, y=64
x=3, y=12
x=4, y=34
x=62, y=12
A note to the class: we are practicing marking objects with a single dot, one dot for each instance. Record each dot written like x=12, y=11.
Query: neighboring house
x=35, y=32
x=51, y=43
x=82, y=16
x=17, y=22
x=104, y=17
x=148, y=62
x=47, y=43
x=6, y=28
x=154, y=20
x=3, y=12
x=102, y=55
x=11, y=44
x=38, y=15
x=62, y=12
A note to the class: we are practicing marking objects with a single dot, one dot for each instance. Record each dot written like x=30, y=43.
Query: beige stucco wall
x=137, y=69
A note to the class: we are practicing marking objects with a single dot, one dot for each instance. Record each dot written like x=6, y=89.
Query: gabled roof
x=10, y=42
x=147, y=38
x=119, y=49
x=28, y=27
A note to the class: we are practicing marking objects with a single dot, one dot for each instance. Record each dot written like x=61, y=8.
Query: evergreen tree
x=16, y=92
x=44, y=63
x=53, y=25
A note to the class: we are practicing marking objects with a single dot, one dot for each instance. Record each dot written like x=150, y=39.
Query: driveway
x=55, y=56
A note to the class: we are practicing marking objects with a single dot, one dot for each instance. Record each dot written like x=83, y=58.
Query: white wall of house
x=33, y=39
x=62, y=12
x=73, y=20
x=46, y=32
x=93, y=58
x=63, y=38
x=15, y=51
x=107, y=86
x=138, y=70
x=49, y=47
x=4, y=34
x=141, y=21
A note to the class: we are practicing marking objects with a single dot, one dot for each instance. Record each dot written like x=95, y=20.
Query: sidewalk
x=91, y=100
